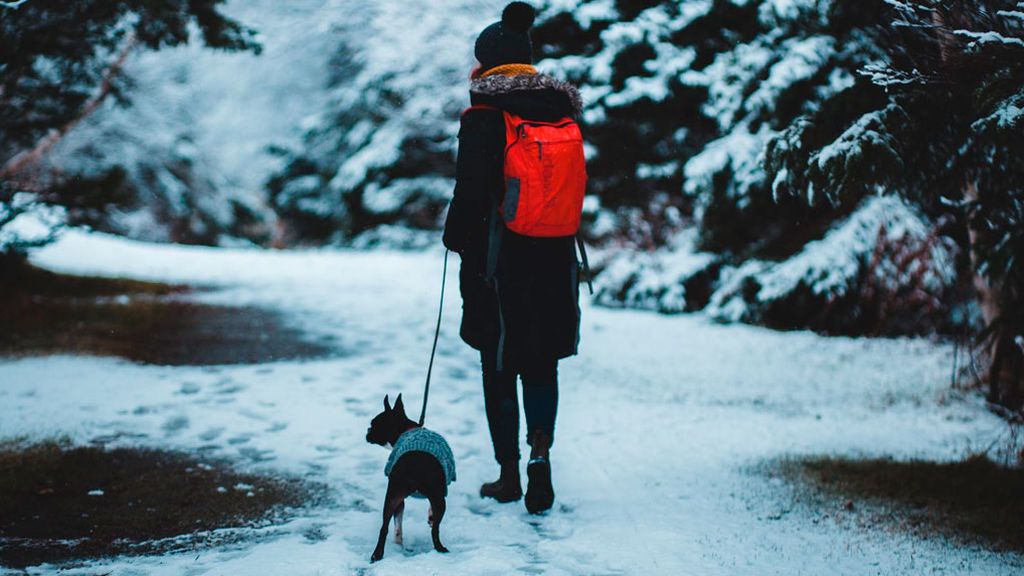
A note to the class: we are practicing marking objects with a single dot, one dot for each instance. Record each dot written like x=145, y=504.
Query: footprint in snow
x=315, y=468
x=458, y=373
x=230, y=389
x=464, y=428
x=257, y=455
x=478, y=507
x=252, y=415
x=556, y=524
x=240, y=439
x=315, y=534
x=276, y=427
x=211, y=434
x=175, y=424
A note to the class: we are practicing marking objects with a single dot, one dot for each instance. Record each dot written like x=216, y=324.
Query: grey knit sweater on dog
x=423, y=440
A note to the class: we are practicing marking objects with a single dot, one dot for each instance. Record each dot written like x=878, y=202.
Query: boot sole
x=540, y=494
x=500, y=497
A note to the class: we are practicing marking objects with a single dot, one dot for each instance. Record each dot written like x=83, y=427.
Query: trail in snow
x=660, y=420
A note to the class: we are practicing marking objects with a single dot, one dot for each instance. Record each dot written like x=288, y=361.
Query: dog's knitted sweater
x=423, y=440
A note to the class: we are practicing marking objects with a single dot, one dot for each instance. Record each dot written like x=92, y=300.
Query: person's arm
x=478, y=177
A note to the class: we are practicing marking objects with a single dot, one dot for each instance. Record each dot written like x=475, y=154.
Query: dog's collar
x=404, y=432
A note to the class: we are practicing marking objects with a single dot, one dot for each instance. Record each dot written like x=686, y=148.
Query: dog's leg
x=398, y=522
x=391, y=503
x=437, y=507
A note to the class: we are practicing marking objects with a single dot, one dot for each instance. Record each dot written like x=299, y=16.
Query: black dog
x=421, y=464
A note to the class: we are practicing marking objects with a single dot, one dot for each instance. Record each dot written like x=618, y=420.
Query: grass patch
x=60, y=503
x=149, y=322
x=27, y=283
x=975, y=501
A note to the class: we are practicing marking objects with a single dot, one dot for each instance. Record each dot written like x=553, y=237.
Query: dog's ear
x=387, y=404
x=399, y=407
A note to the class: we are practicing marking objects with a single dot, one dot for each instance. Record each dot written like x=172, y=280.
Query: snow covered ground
x=660, y=422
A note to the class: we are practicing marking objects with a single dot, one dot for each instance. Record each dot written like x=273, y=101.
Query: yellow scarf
x=508, y=70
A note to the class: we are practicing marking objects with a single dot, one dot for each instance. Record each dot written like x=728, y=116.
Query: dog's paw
x=376, y=556
x=441, y=549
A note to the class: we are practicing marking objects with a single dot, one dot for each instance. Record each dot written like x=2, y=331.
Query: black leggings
x=540, y=402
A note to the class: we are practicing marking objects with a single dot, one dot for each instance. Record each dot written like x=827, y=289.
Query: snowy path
x=661, y=419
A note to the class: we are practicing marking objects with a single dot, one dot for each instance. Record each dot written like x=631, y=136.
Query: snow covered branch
x=885, y=76
x=13, y=5
x=905, y=6
x=28, y=158
x=989, y=37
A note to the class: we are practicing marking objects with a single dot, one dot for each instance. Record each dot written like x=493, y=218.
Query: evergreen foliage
x=58, y=62
x=688, y=108
x=381, y=159
x=948, y=137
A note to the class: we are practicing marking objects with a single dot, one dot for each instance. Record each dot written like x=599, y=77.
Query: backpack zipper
x=521, y=131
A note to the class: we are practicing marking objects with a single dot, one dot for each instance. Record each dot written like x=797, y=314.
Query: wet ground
x=61, y=503
x=974, y=502
x=148, y=322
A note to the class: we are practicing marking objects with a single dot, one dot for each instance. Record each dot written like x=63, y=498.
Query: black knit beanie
x=508, y=41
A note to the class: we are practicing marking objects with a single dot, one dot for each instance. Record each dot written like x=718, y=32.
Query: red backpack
x=545, y=176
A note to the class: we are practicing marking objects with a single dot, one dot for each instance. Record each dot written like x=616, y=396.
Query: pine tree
x=947, y=136
x=378, y=165
x=59, y=62
x=684, y=99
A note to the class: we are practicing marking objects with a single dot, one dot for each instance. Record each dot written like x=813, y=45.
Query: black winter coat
x=537, y=279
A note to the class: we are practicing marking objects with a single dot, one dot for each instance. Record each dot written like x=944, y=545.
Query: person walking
x=520, y=290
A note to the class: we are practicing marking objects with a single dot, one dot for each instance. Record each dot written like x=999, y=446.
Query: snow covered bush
x=25, y=223
x=882, y=271
x=675, y=278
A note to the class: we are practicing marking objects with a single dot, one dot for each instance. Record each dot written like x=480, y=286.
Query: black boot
x=507, y=488
x=540, y=494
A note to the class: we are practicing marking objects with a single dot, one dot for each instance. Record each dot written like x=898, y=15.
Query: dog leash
x=437, y=334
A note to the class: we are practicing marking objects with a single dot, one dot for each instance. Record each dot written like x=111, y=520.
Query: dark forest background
x=851, y=167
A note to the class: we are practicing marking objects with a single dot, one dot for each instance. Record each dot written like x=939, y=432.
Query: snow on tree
x=694, y=100
x=59, y=63
x=383, y=154
x=205, y=128
x=948, y=137
x=883, y=258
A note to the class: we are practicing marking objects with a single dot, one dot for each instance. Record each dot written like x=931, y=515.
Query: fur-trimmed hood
x=498, y=85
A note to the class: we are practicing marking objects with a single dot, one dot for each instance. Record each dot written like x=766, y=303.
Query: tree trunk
x=1001, y=349
x=28, y=158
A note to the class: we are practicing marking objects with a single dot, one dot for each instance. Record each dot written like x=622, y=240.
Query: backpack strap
x=586, y=264
x=480, y=107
